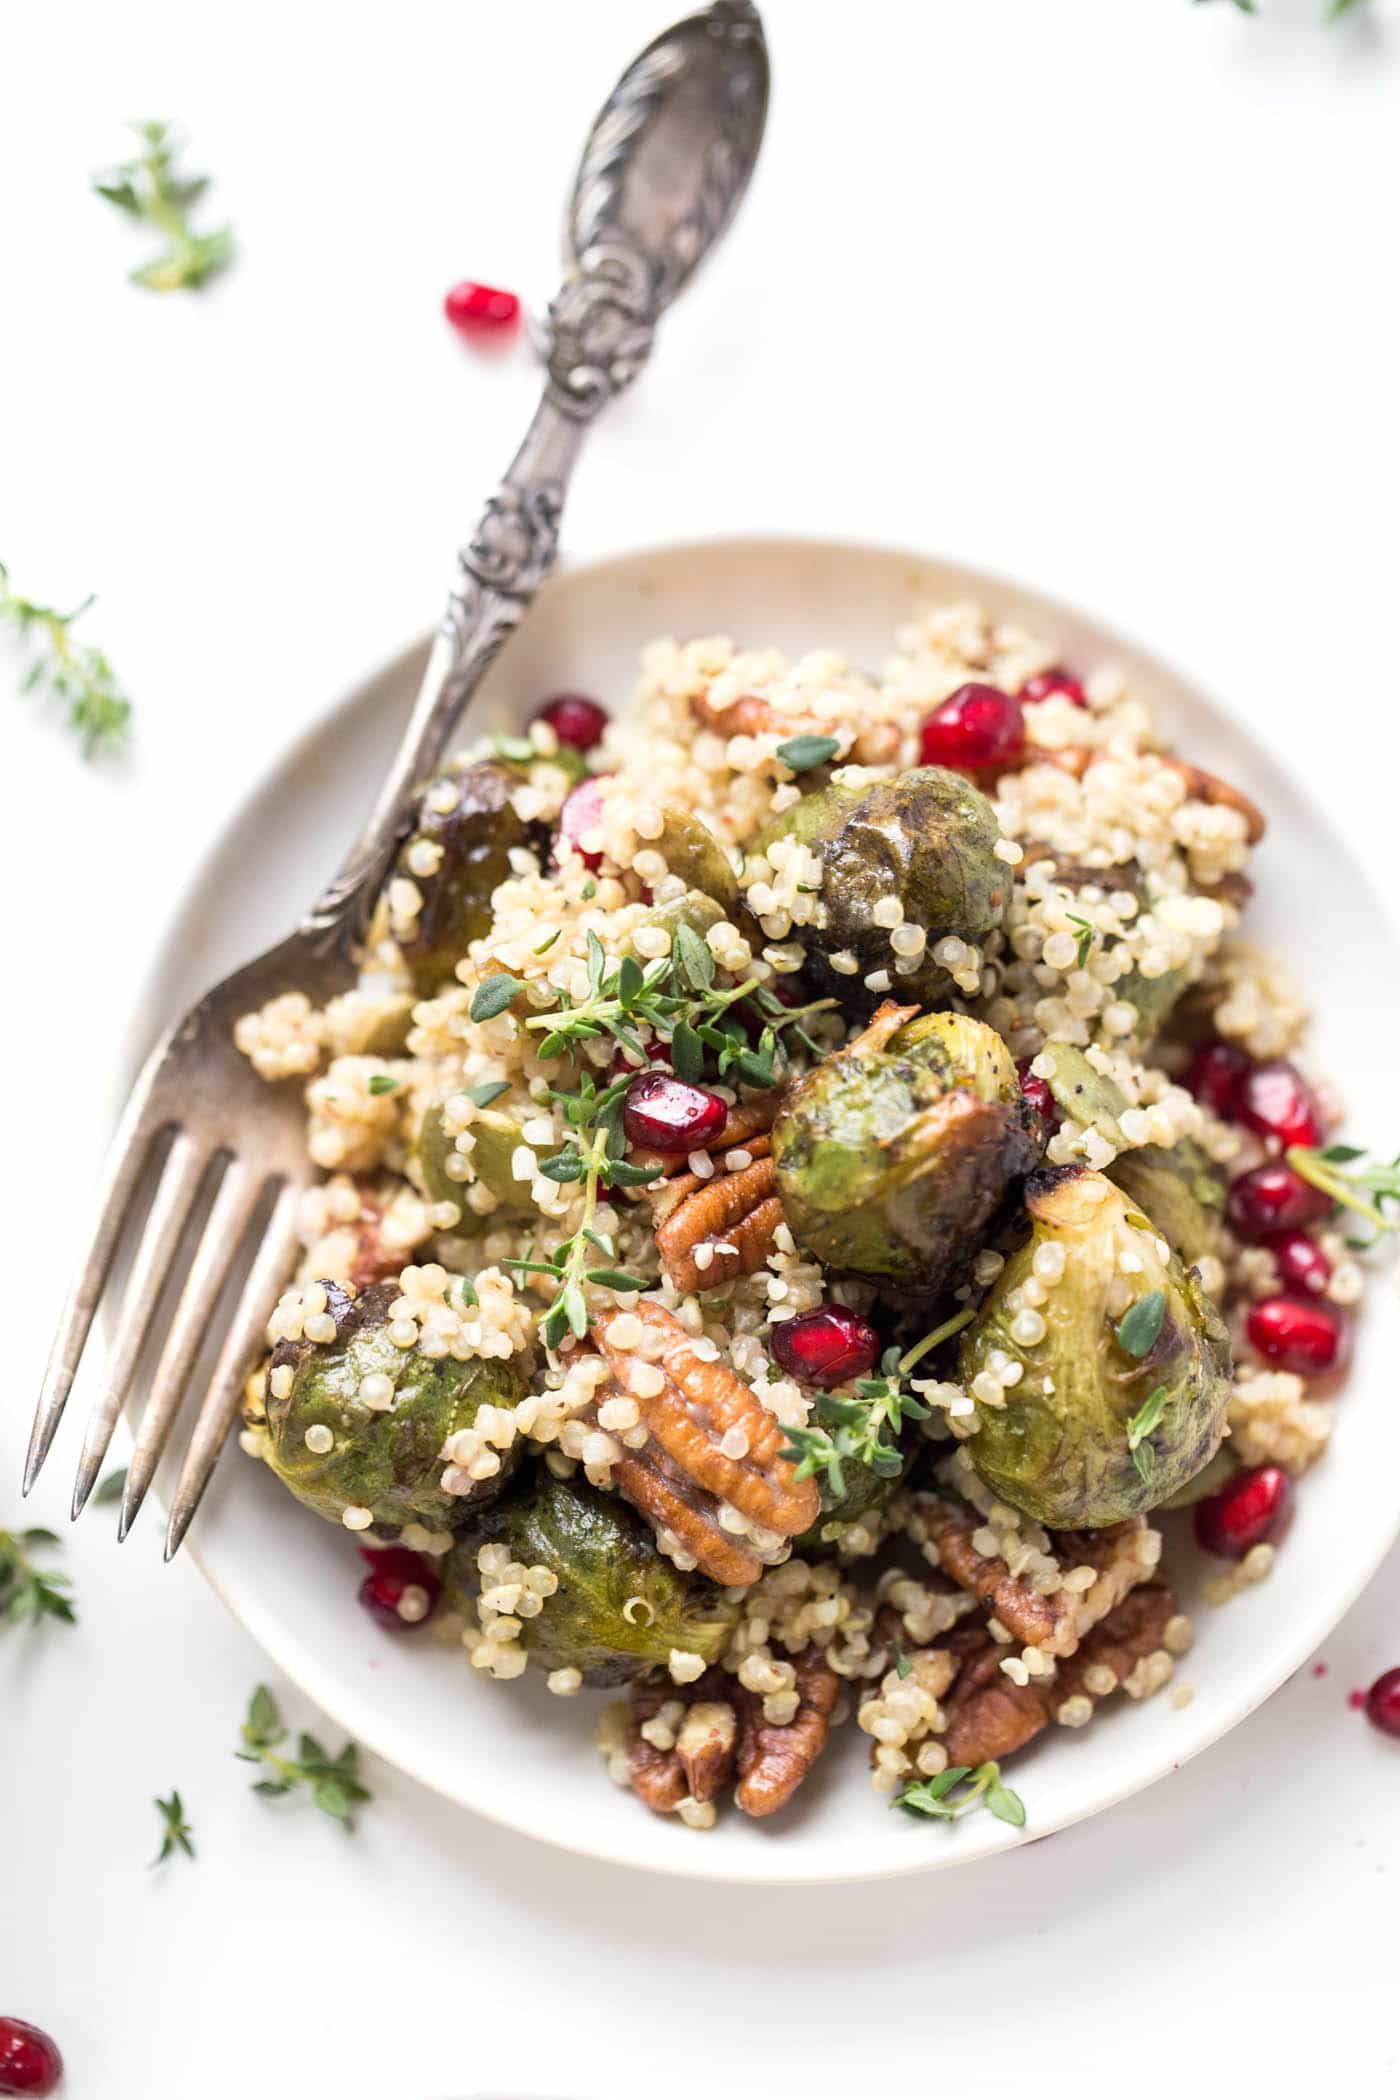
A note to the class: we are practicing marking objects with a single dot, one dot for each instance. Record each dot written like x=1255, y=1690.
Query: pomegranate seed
x=1301, y=1263
x=1046, y=684
x=582, y=810
x=29, y=2058
x=1276, y=1100
x=980, y=727
x=480, y=309
x=827, y=1346
x=1215, y=1075
x=1297, y=1334
x=669, y=1115
x=401, y=1588
x=1383, y=1703
x=1038, y=1094
x=1271, y=1199
x=575, y=719
x=1253, y=1509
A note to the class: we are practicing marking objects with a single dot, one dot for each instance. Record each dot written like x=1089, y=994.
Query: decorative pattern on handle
x=600, y=328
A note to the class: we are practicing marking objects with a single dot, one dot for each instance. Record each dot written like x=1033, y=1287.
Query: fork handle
x=597, y=337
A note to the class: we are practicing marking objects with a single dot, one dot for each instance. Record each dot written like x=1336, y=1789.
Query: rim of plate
x=359, y=1713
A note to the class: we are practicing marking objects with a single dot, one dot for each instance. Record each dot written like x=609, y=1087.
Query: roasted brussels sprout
x=475, y=836
x=893, y=1156
x=1177, y=1187
x=1122, y=1394
x=387, y=1460
x=497, y=1138
x=926, y=837
x=1153, y=997
x=621, y=1606
x=691, y=850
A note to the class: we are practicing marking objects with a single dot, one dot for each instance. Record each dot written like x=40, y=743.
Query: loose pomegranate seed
x=29, y=2058
x=980, y=727
x=668, y=1115
x=1301, y=1263
x=1253, y=1509
x=581, y=811
x=1046, y=684
x=1276, y=1100
x=1383, y=1703
x=480, y=309
x=1214, y=1076
x=1038, y=1094
x=1271, y=1199
x=401, y=1588
x=1297, y=1334
x=827, y=1346
x=575, y=719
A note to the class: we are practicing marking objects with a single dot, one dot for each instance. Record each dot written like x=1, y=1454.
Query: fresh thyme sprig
x=866, y=1427
x=148, y=187
x=176, y=1834
x=73, y=673
x=593, y=1156
x=1085, y=934
x=1365, y=1189
x=334, y=1781
x=935, y=1797
x=27, y=1593
x=1140, y=1429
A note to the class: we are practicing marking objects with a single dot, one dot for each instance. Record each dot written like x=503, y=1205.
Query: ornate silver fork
x=665, y=165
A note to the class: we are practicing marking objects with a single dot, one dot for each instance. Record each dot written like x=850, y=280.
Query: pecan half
x=750, y=715
x=1056, y=1623
x=680, y=1477
x=722, y=1735
x=1201, y=786
x=735, y=1217
x=989, y=1716
x=373, y=1261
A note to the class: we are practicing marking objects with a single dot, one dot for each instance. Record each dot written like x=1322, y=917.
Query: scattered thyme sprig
x=860, y=1428
x=334, y=1781
x=1335, y=12
x=176, y=1834
x=1085, y=935
x=27, y=1593
x=1140, y=1429
x=1365, y=1189
x=935, y=1797
x=148, y=187
x=78, y=676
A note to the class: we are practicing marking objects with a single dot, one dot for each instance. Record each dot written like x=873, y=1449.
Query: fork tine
x=273, y=1264
x=170, y=1208
x=123, y=1168
x=228, y=1221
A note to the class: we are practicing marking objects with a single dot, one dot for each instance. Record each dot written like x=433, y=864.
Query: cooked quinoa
x=548, y=1352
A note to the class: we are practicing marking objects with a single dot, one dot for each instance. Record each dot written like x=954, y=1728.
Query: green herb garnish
x=150, y=188
x=110, y=1488
x=334, y=1781
x=1141, y=1324
x=1141, y=1426
x=489, y=1090
x=77, y=676
x=801, y=753
x=1085, y=936
x=176, y=1835
x=382, y=1083
x=27, y=1593
x=902, y=1664
x=494, y=994
x=1365, y=1190
x=935, y=1797
x=860, y=1428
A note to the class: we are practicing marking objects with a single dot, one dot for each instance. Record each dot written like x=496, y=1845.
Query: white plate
x=513, y=1752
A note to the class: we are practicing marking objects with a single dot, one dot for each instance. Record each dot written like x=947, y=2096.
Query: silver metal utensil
x=666, y=163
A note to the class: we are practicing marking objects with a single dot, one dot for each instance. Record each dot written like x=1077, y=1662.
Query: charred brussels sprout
x=1122, y=1394
x=497, y=1138
x=926, y=837
x=386, y=1460
x=1152, y=997
x=475, y=837
x=621, y=1606
x=893, y=1156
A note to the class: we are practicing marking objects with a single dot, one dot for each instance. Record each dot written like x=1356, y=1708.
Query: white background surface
x=1100, y=292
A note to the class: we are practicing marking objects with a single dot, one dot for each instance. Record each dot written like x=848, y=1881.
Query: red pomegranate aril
x=1301, y=1263
x=1297, y=1334
x=575, y=719
x=1273, y=1198
x=580, y=812
x=826, y=1347
x=666, y=1114
x=480, y=309
x=978, y=729
x=1383, y=1703
x=1057, y=680
x=29, y=2058
x=401, y=1588
x=1038, y=1094
x=1276, y=1100
x=1215, y=1075
x=1253, y=1509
